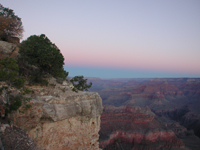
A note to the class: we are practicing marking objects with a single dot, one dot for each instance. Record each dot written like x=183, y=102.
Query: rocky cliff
x=61, y=119
x=58, y=117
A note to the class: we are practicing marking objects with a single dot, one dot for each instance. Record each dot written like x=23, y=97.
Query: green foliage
x=42, y=53
x=43, y=82
x=25, y=91
x=28, y=106
x=15, y=103
x=80, y=83
x=10, y=24
x=19, y=82
x=3, y=88
x=38, y=80
x=9, y=71
x=53, y=85
x=75, y=89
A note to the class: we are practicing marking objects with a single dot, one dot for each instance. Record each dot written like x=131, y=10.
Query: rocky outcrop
x=8, y=49
x=135, y=128
x=61, y=119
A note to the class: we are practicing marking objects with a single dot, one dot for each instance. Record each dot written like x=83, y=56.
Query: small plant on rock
x=80, y=83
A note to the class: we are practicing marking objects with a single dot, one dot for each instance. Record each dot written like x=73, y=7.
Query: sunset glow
x=139, y=38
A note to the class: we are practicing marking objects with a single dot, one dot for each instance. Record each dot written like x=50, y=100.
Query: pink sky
x=152, y=36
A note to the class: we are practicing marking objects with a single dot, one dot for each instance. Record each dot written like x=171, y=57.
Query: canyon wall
x=61, y=119
x=135, y=128
x=175, y=103
x=185, y=116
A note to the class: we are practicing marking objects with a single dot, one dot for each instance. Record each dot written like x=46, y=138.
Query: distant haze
x=118, y=38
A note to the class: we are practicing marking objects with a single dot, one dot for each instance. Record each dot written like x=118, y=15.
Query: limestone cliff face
x=61, y=119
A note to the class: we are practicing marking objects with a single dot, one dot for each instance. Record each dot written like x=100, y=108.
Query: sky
x=118, y=38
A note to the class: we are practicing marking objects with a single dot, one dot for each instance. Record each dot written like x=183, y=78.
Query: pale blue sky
x=115, y=38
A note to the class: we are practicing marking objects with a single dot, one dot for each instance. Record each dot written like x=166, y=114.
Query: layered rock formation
x=134, y=128
x=186, y=117
x=175, y=99
x=61, y=119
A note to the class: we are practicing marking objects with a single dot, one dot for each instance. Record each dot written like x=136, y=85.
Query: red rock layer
x=134, y=128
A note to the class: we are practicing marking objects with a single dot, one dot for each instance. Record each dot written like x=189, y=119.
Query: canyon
x=137, y=114
x=135, y=128
x=174, y=102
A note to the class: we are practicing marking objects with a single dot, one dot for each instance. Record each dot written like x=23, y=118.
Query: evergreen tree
x=42, y=53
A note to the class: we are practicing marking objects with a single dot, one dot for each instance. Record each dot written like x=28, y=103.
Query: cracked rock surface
x=60, y=118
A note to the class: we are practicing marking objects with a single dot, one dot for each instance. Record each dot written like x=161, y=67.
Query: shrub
x=40, y=52
x=9, y=72
x=15, y=103
x=18, y=83
x=80, y=83
x=38, y=80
